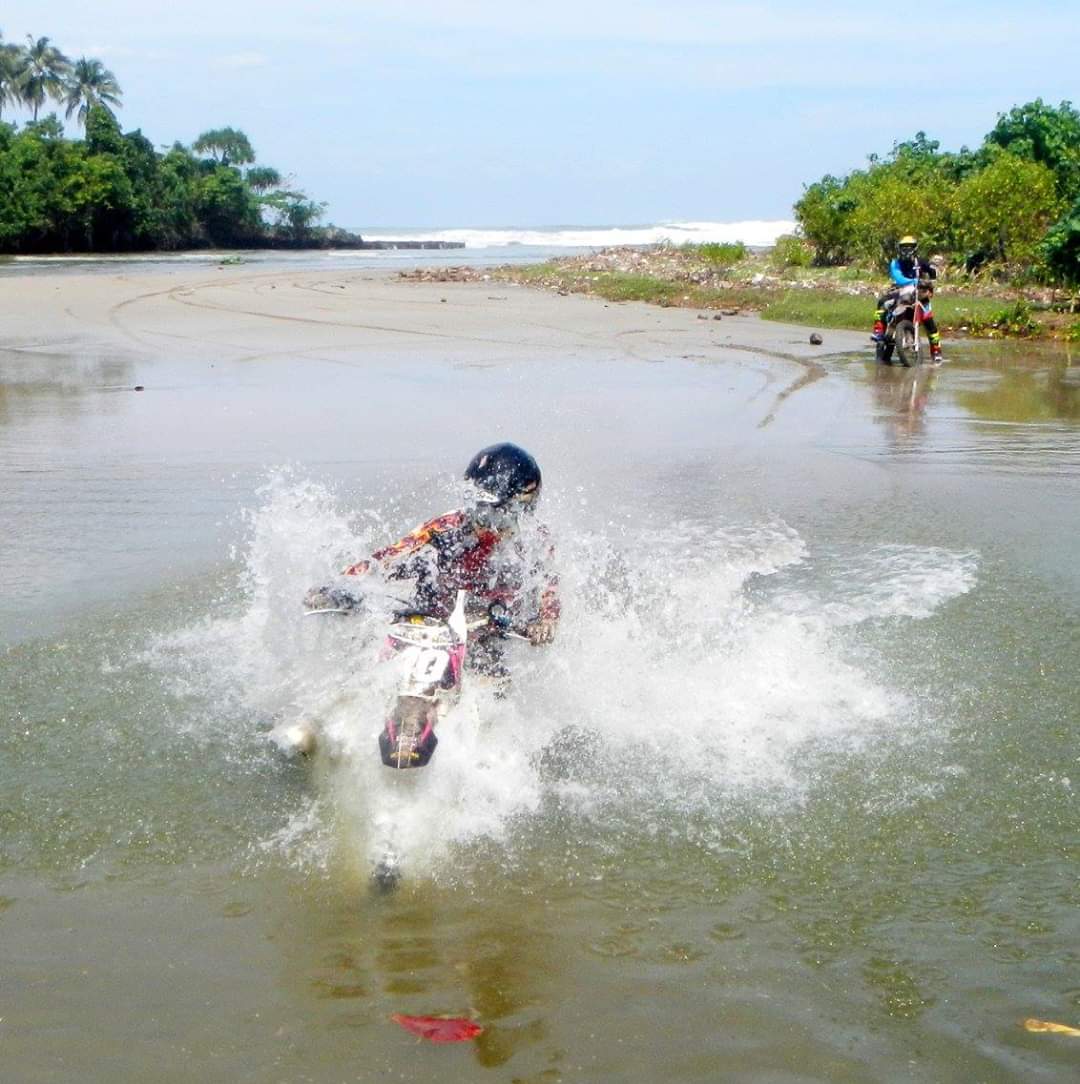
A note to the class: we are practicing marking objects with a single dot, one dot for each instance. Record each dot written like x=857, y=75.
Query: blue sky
x=484, y=113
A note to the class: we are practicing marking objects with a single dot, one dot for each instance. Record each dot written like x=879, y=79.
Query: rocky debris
x=445, y=274
x=681, y=276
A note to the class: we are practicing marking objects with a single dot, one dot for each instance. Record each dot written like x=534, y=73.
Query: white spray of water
x=692, y=664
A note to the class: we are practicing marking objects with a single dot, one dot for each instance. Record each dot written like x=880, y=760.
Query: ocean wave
x=752, y=232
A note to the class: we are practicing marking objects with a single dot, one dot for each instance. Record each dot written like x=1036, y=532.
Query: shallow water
x=793, y=796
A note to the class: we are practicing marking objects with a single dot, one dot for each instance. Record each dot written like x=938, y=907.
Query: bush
x=989, y=206
x=722, y=255
x=1002, y=212
x=1061, y=249
x=894, y=204
x=1014, y=320
x=825, y=215
x=792, y=251
x=1046, y=134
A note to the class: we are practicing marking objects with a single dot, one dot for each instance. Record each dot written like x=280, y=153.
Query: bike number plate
x=424, y=666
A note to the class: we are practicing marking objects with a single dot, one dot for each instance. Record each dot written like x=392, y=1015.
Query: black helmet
x=907, y=246
x=505, y=475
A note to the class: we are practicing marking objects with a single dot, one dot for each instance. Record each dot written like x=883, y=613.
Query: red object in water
x=439, y=1029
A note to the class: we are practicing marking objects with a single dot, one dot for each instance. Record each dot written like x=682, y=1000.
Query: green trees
x=1061, y=249
x=263, y=178
x=11, y=69
x=1045, y=134
x=226, y=146
x=31, y=74
x=113, y=191
x=292, y=213
x=996, y=206
x=44, y=72
x=825, y=215
x=1003, y=211
x=90, y=84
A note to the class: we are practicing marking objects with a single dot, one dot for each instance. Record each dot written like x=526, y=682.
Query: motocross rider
x=481, y=549
x=906, y=270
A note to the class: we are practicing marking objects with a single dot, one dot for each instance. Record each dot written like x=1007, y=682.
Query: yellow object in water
x=1031, y=1024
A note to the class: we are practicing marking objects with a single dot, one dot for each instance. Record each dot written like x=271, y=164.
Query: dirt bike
x=428, y=654
x=903, y=322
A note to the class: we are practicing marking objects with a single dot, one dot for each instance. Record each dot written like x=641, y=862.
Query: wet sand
x=358, y=373
x=233, y=315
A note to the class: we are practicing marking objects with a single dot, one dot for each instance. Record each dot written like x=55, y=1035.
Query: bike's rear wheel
x=906, y=348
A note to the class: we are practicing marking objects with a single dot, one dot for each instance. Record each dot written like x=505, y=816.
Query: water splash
x=693, y=665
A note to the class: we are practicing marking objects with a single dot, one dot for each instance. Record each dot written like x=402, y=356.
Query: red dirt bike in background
x=903, y=322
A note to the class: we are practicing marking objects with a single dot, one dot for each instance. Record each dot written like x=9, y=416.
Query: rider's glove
x=541, y=631
x=361, y=568
x=330, y=598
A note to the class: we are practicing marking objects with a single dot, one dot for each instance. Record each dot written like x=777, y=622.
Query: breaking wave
x=757, y=233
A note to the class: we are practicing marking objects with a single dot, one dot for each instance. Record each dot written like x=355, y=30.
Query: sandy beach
x=233, y=315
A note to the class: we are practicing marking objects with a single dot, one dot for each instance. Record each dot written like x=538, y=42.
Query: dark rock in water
x=718, y=316
x=139, y=387
x=730, y=312
x=816, y=339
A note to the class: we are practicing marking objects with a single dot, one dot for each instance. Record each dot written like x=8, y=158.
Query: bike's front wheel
x=906, y=347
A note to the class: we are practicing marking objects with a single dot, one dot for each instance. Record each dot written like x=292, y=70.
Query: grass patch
x=618, y=286
x=627, y=286
x=1014, y=320
x=823, y=303
x=820, y=308
x=722, y=255
x=976, y=315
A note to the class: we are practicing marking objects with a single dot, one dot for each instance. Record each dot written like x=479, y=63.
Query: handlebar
x=496, y=618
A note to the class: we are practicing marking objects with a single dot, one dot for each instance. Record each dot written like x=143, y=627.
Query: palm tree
x=88, y=85
x=263, y=178
x=11, y=74
x=227, y=146
x=46, y=68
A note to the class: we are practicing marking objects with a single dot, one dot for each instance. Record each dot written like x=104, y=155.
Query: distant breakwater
x=351, y=241
x=407, y=244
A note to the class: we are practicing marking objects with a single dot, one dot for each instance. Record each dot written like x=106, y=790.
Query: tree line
x=112, y=191
x=1009, y=208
